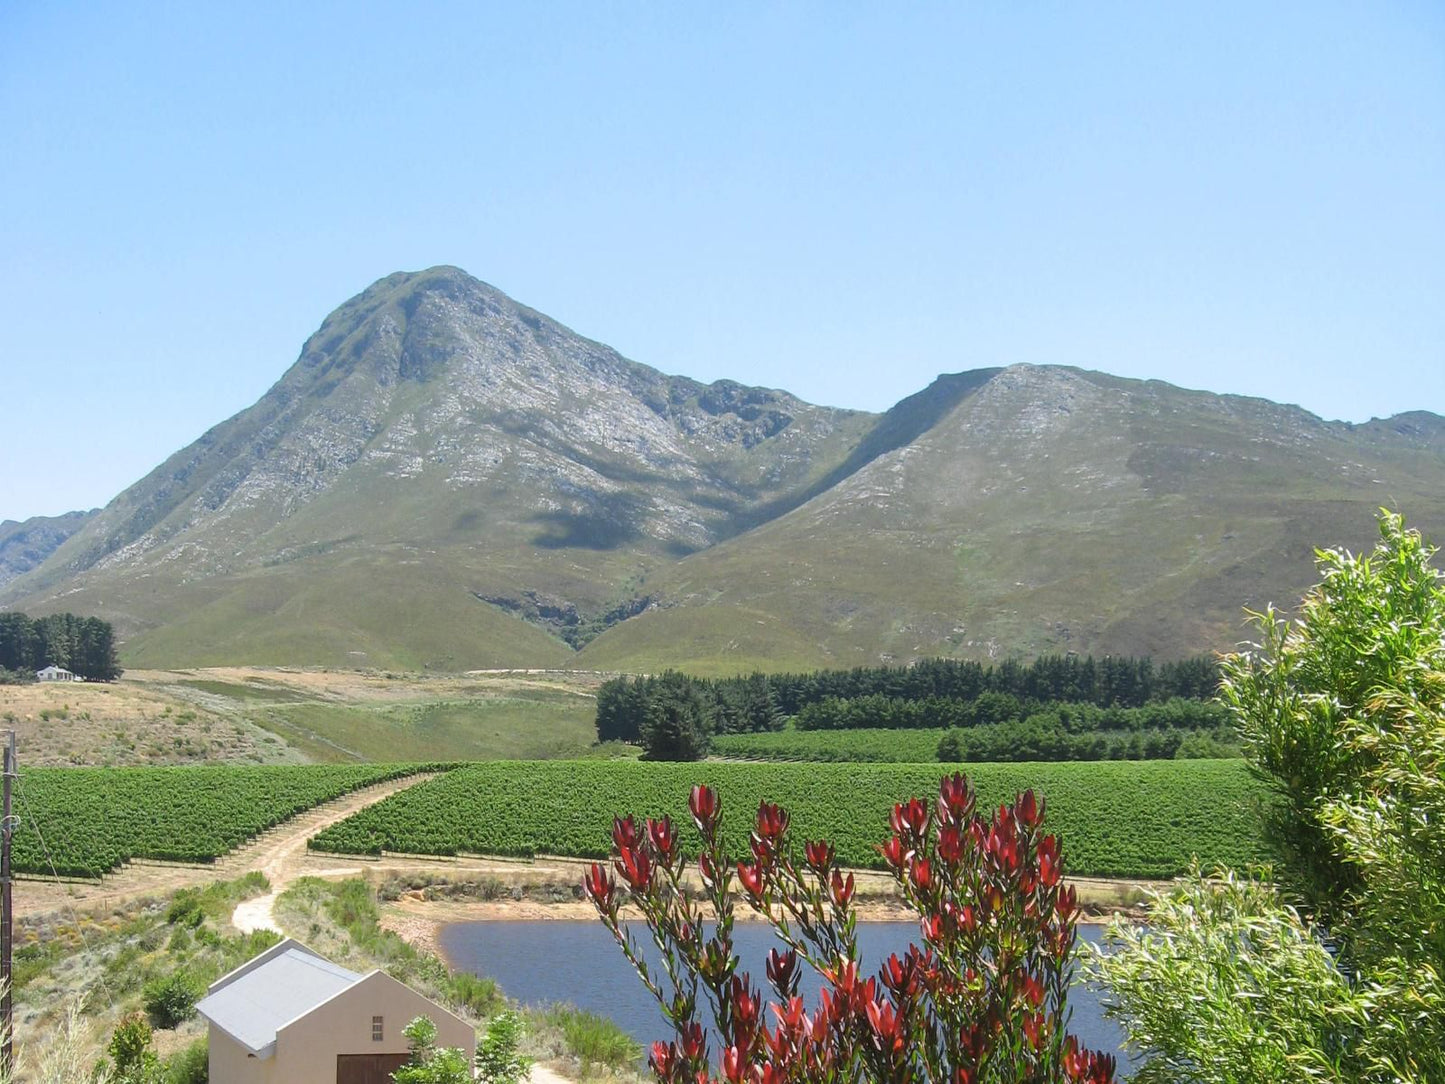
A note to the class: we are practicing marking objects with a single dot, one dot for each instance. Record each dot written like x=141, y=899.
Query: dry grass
x=126, y=723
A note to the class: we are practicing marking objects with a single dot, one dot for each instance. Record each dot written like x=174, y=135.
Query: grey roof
x=255, y=1002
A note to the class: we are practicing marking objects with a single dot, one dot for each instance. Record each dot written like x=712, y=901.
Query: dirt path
x=279, y=853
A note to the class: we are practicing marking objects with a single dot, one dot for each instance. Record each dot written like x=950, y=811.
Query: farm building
x=54, y=673
x=290, y=1015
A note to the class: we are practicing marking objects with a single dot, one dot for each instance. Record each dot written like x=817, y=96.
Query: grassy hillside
x=1048, y=510
x=447, y=480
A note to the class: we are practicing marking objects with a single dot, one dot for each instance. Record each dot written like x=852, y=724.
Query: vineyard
x=1018, y=741
x=91, y=820
x=1130, y=819
x=871, y=745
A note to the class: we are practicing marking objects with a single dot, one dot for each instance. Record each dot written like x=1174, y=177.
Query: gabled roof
x=262, y=996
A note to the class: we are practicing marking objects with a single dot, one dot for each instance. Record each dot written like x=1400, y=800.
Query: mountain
x=1049, y=509
x=25, y=544
x=446, y=478
x=438, y=461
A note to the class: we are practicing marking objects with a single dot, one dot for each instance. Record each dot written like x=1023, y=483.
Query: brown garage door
x=367, y=1068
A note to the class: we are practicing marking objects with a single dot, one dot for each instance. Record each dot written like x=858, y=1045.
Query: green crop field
x=1124, y=818
x=870, y=744
x=83, y=822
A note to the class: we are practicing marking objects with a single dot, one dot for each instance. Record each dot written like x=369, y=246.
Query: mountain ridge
x=445, y=477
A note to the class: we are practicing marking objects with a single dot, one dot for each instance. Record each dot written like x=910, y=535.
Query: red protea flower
x=598, y=886
x=1068, y=903
x=664, y=839
x=909, y=818
x=783, y=971
x=955, y=799
x=703, y=804
x=733, y=1064
x=661, y=1059
x=819, y=855
x=1033, y=990
x=887, y=1028
x=893, y=852
x=772, y=821
x=921, y=874
x=1035, y=1029
x=1028, y=810
x=694, y=1041
x=634, y=867
x=625, y=832
x=751, y=877
x=1049, y=868
x=842, y=889
x=950, y=844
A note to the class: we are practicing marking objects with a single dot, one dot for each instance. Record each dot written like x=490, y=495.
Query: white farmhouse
x=289, y=1016
x=54, y=673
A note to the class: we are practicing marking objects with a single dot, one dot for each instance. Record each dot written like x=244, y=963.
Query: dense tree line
x=1107, y=682
x=672, y=715
x=83, y=645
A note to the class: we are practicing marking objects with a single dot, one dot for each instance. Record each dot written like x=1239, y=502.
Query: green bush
x=191, y=1065
x=593, y=1039
x=480, y=996
x=497, y=1059
x=171, y=1001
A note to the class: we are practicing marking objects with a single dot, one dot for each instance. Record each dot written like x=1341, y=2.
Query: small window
x=376, y=1029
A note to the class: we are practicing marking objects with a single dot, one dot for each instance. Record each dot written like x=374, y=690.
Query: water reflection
x=537, y=962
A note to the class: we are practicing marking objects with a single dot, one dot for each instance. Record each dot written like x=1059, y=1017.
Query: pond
x=537, y=962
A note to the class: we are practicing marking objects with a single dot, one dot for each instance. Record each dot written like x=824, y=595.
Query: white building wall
x=232, y=1063
x=306, y=1049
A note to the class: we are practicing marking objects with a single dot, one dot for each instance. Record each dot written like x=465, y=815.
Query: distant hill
x=24, y=544
x=448, y=479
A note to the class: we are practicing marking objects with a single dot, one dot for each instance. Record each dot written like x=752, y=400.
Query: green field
x=83, y=822
x=1128, y=819
x=864, y=745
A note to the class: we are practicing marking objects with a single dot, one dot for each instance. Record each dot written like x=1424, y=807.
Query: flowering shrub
x=983, y=999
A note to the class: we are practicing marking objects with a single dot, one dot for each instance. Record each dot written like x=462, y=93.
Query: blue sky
x=843, y=200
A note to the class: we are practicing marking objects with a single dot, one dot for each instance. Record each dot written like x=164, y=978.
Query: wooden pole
x=7, y=920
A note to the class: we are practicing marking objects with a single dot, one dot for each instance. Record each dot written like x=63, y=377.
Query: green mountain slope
x=1046, y=509
x=448, y=479
x=437, y=461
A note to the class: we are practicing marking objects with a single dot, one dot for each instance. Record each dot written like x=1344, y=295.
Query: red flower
x=1068, y=904
x=955, y=799
x=751, y=877
x=819, y=855
x=624, y=833
x=733, y=1064
x=893, y=852
x=664, y=838
x=634, y=867
x=598, y=886
x=950, y=844
x=1035, y=1029
x=694, y=1041
x=842, y=889
x=887, y=1027
x=772, y=821
x=1028, y=809
x=662, y=1058
x=1049, y=870
x=703, y=804
x=783, y=971
x=921, y=874
x=910, y=817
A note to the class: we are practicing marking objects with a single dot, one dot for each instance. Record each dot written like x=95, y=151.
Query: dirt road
x=280, y=853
